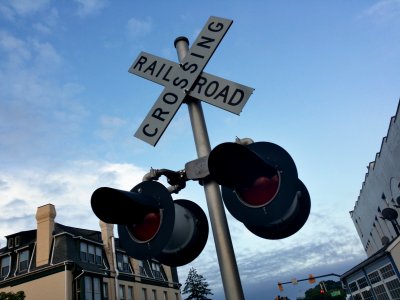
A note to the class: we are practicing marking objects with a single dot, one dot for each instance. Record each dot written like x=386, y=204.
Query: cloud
x=36, y=110
x=69, y=188
x=136, y=27
x=90, y=7
x=384, y=10
x=266, y=262
x=18, y=10
x=47, y=23
x=3, y=185
x=109, y=126
x=28, y=54
x=45, y=54
x=322, y=246
x=22, y=7
x=16, y=50
x=260, y=269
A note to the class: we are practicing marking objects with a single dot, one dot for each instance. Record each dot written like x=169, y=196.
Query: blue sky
x=326, y=79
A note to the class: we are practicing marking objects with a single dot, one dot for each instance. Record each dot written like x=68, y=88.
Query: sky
x=326, y=78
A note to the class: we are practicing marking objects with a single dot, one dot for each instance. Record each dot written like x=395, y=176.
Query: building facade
x=56, y=261
x=375, y=217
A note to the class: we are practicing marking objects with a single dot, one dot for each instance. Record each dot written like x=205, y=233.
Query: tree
x=196, y=286
x=12, y=296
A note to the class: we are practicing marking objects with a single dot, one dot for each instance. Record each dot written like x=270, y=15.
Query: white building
x=375, y=216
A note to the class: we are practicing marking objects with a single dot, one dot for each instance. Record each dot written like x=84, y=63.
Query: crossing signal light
x=260, y=187
x=311, y=278
x=151, y=224
x=280, y=286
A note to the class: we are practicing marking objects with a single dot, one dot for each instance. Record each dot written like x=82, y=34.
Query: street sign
x=187, y=82
x=336, y=293
x=187, y=79
x=225, y=94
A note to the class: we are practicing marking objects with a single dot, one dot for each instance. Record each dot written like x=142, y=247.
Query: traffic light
x=151, y=224
x=260, y=187
x=280, y=287
x=311, y=278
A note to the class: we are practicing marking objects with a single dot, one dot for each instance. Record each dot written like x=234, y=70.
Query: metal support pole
x=222, y=238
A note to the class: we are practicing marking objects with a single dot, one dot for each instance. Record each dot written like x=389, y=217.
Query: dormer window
x=10, y=243
x=23, y=261
x=123, y=262
x=142, y=270
x=99, y=256
x=17, y=241
x=83, y=252
x=5, y=266
x=156, y=270
x=91, y=253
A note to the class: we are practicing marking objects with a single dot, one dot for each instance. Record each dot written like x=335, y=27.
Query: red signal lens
x=147, y=227
x=261, y=192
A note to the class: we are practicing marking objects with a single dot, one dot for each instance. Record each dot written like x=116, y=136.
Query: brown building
x=56, y=261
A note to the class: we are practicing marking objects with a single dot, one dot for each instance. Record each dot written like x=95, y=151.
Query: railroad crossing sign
x=187, y=79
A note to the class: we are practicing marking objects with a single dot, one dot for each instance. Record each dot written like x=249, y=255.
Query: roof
x=93, y=235
x=384, y=251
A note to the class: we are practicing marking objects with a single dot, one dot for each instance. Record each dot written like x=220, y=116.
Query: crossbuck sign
x=187, y=79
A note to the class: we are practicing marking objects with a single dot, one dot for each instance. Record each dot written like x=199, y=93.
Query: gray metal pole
x=222, y=238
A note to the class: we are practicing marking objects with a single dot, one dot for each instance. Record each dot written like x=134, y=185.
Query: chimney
x=107, y=235
x=45, y=216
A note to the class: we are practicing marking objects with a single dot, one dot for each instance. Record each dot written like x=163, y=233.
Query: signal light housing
x=151, y=224
x=280, y=286
x=311, y=278
x=260, y=187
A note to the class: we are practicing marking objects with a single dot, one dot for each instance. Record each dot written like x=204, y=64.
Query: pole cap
x=181, y=38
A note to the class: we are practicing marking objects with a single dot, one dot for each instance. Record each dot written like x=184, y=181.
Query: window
x=17, y=241
x=394, y=288
x=105, y=290
x=99, y=256
x=353, y=286
x=387, y=271
x=123, y=262
x=357, y=297
x=122, y=295
x=380, y=292
x=10, y=243
x=144, y=294
x=88, y=288
x=176, y=296
x=96, y=289
x=156, y=271
x=130, y=293
x=165, y=295
x=154, y=293
x=367, y=295
x=23, y=260
x=374, y=277
x=142, y=270
x=5, y=266
x=92, y=288
x=91, y=253
x=83, y=252
x=362, y=282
